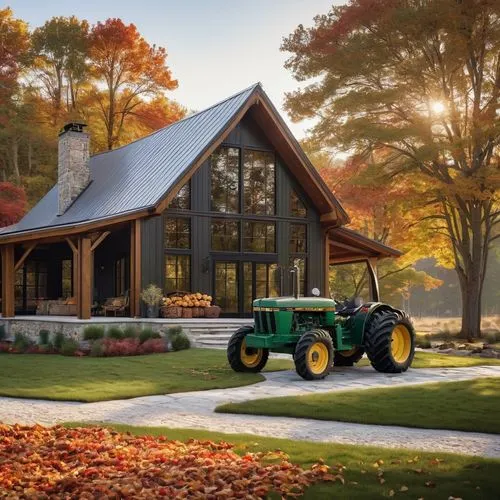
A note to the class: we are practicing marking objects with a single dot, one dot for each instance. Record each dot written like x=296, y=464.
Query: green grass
x=453, y=475
x=98, y=379
x=471, y=405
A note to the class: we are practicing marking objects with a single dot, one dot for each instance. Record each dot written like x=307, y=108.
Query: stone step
x=223, y=338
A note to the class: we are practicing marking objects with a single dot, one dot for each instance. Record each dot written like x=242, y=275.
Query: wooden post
x=74, y=249
x=371, y=263
x=84, y=295
x=135, y=268
x=8, y=281
x=326, y=282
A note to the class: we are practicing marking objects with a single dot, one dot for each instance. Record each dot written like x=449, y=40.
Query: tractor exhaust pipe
x=296, y=278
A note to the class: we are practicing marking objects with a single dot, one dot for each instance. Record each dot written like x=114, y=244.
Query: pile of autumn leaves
x=41, y=462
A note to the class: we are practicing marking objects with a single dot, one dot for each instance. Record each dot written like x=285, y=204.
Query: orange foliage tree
x=130, y=69
x=421, y=80
x=12, y=203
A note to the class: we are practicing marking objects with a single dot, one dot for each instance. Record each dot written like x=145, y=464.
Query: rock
x=462, y=347
x=463, y=352
x=477, y=350
x=488, y=353
x=446, y=345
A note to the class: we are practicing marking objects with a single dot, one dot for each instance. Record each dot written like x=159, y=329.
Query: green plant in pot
x=152, y=296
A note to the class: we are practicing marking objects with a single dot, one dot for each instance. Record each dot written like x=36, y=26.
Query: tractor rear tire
x=348, y=358
x=314, y=354
x=243, y=358
x=390, y=341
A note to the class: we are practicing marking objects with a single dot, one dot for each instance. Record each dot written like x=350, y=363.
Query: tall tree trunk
x=15, y=160
x=471, y=308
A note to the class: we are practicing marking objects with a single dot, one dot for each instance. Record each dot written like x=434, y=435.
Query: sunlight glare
x=437, y=106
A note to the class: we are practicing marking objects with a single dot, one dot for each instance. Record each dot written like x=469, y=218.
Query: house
x=221, y=202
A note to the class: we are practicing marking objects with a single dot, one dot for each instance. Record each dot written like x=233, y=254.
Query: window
x=226, y=286
x=297, y=207
x=225, y=171
x=301, y=263
x=298, y=238
x=177, y=232
x=177, y=273
x=182, y=200
x=67, y=278
x=259, y=183
x=259, y=237
x=225, y=235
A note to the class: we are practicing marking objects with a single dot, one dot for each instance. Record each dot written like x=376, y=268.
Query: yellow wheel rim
x=250, y=356
x=317, y=358
x=400, y=343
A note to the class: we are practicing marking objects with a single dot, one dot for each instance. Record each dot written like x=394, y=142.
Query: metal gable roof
x=137, y=175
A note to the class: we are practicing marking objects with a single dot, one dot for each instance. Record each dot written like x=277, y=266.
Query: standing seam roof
x=138, y=175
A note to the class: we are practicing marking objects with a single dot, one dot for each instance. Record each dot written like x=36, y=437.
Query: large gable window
x=297, y=207
x=182, y=199
x=178, y=232
x=259, y=182
x=259, y=237
x=225, y=235
x=225, y=171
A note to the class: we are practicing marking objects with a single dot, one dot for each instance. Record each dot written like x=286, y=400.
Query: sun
x=437, y=107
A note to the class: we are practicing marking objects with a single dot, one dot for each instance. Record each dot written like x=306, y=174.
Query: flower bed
x=56, y=462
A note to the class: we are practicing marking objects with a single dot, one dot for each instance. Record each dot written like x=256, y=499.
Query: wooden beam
x=75, y=229
x=348, y=259
x=326, y=248
x=73, y=247
x=20, y=262
x=75, y=268
x=99, y=240
x=84, y=296
x=135, y=269
x=349, y=247
x=8, y=281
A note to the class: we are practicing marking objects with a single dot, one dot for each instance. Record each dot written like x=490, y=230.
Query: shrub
x=43, y=337
x=21, y=342
x=115, y=332
x=492, y=337
x=151, y=346
x=97, y=349
x=69, y=347
x=423, y=342
x=93, y=332
x=174, y=330
x=152, y=295
x=58, y=340
x=180, y=342
x=120, y=347
x=130, y=332
x=3, y=333
x=148, y=333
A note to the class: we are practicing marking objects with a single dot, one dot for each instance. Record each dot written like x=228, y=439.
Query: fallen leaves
x=57, y=462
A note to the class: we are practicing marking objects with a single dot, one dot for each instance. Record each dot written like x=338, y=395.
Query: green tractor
x=319, y=332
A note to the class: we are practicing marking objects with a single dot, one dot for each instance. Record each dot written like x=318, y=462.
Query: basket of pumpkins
x=188, y=305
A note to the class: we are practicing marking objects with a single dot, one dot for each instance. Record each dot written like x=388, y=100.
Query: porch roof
x=347, y=245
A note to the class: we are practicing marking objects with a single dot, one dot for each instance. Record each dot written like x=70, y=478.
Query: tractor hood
x=305, y=303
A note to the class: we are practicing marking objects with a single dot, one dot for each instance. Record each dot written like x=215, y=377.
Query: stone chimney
x=73, y=164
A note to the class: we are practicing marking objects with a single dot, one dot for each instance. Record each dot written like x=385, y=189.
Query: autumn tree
x=131, y=71
x=422, y=80
x=59, y=52
x=12, y=203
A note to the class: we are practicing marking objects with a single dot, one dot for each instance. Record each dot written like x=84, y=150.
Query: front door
x=237, y=284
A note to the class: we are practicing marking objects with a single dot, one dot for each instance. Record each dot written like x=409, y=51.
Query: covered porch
x=72, y=274
x=344, y=246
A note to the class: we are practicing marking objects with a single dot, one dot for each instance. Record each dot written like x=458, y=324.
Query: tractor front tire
x=313, y=355
x=243, y=358
x=390, y=341
x=348, y=358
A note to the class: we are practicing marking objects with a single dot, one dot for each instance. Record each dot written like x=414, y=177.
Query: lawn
x=44, y=376
x=471, y=405
x=370, y=472
x=434, y=360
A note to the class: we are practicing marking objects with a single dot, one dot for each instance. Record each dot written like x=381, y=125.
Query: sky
x=215, y=47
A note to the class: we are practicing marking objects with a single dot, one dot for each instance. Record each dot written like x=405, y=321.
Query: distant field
x=431, y=325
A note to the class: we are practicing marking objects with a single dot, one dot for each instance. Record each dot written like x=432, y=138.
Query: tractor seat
x=350, y=307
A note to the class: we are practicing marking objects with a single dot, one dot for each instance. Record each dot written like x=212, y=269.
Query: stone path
x=195, y=410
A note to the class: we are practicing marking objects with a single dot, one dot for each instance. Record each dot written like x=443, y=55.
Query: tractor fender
x=362, y=318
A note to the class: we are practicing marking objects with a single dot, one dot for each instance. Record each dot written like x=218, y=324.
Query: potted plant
x=152, y=297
